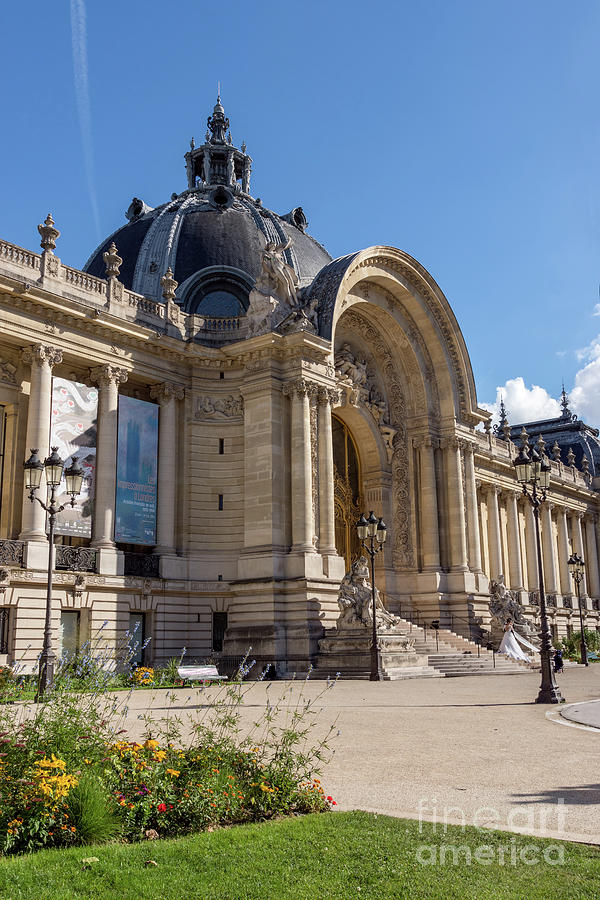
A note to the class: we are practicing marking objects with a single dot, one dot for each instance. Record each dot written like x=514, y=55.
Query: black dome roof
x=212, y=229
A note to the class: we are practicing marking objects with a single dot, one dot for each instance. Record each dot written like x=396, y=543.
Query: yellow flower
x=53, y=763
x=159, y=755
x=173, y=772
x=151, y=744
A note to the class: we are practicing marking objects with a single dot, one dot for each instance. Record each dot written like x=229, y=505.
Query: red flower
x=331, y=800
x=162, y=807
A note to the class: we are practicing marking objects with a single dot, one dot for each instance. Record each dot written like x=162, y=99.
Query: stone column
x=302, y=511
x=548, y=549
x=326, y=499
x=579, y=548
x=456, y=508
x=107, y=378
x=494, y=540
x=42, y=359
x=474, y=543
x=430, y=536
x=167, y=395
x=591, y=560
x=563, y=552
x=515, y=563
x=533, y=575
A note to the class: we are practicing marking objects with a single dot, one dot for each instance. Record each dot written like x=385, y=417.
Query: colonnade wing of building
x=235, y=425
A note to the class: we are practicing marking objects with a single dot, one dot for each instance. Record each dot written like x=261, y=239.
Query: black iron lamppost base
x=550, y=695
x=45, y=676
x=376, y=675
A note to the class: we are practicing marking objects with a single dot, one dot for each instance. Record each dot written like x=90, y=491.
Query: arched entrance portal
x=347, y=492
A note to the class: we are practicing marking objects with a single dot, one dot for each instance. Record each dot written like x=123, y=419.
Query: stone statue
x=504, y=605
x=350, y=367
x=276, y=278
x=378, y=406
x=355, y=601
x=230, y=169
x=206, y=157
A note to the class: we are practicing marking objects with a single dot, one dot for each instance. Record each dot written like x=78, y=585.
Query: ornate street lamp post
x=372, y=534
x=534, y=470
x=576, y=566
x=33, y=477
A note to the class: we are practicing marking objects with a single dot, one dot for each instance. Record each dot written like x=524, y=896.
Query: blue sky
x=465, y=133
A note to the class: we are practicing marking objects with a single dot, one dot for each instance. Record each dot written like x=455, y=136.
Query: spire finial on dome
x=218, y=123
x=502, y=429
x=564, y=402
x=218, y=161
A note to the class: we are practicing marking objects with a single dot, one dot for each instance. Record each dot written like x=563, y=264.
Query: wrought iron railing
x=76, y=559
x=4, y=628
x=11, y=553
x=141, y=565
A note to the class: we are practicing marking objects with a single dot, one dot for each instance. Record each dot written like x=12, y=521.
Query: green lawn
x=333, y=855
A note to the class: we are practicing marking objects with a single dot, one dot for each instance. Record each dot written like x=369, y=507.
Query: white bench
x=200, y=673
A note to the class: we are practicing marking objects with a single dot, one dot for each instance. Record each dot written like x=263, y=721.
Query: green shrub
x=92, y=812
x=572, y=644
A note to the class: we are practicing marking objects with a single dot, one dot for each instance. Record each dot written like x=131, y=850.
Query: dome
x=211, y=236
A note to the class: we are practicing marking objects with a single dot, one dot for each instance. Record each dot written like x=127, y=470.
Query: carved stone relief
x=8, y=372
x=314, y=460
x=219, y=408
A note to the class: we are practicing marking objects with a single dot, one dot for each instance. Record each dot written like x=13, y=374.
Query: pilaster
x=108, y=378
x=42, y=358
x=167, y=395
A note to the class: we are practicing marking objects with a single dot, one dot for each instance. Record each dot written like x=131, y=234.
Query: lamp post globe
x=53, y=466
x=576, y=567
x=533, y=473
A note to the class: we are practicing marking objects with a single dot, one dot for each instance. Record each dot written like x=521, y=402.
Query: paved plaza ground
x=476, y=750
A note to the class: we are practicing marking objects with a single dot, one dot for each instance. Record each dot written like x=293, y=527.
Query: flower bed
x=70, y=774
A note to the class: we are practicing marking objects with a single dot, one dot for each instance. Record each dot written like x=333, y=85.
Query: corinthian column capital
x=328, y=395
x=107, y=374
x=167, y=391
x=302, y=387
x=39, y=354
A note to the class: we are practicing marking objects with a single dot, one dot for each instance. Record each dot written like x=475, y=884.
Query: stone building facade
x=294, y=391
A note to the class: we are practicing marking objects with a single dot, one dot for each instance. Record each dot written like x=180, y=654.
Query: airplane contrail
x=82, y=96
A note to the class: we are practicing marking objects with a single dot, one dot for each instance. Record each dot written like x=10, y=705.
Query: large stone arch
x=389, y=279
x=390, y=465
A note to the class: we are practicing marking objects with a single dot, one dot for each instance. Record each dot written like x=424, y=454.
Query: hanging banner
x=137, y=459
x=73, y=431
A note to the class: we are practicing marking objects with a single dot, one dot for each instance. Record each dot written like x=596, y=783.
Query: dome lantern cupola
x=217, y=161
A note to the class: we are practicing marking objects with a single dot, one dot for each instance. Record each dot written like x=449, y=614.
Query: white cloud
x=585, y=396
x=523, y=404
x=596, y=311
x=82, y=95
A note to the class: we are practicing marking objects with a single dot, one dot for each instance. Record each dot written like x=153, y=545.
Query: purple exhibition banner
x=73, y=431
x=137, y=460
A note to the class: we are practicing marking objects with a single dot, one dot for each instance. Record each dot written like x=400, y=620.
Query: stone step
x=455, y=665
x=403, y=672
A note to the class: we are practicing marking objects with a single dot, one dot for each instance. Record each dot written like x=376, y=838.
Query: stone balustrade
x=22, y=260
x=84, y=288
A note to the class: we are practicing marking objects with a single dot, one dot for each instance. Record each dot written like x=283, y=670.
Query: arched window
x=216, y=291
x=347, y=492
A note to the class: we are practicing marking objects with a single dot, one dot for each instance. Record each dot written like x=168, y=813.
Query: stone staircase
x=456, y=656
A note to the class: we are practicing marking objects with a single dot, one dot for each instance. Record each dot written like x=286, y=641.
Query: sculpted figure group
x=355, y=600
